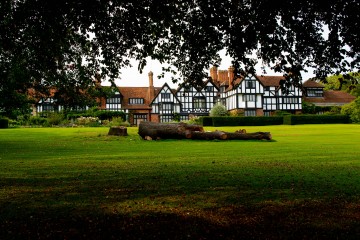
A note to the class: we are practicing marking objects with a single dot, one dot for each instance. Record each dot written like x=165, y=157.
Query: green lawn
x=71, y=183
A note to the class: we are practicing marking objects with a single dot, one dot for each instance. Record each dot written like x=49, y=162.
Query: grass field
x=79, y=183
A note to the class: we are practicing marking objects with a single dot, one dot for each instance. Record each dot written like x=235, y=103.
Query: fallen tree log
x=208, y=135
x=249, y=136
x=167, y=130
x=154, y=131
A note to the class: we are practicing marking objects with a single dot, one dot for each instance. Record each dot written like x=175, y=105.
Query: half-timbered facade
x=250, y=94
x=165, y=105
x=245, y=93
x=196, y=101
x=260, y=95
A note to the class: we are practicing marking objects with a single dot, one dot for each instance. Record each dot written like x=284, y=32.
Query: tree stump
x=118, y=131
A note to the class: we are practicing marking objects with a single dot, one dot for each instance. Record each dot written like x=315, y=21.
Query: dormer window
x=165, y=96
x=314, y=92
x=250, y=84
x=136, y=101
x=114, y=103
x=209, y=88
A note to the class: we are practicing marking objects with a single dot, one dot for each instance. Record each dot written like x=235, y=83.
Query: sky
x=130, y=77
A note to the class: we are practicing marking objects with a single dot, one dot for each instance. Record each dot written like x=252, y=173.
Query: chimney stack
x=214, y=73
x=151, y=91
x=231, y=70
x=151, y=79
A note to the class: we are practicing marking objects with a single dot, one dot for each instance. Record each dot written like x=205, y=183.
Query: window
x=291, y=100
x=139, y=118
x=267, y=113
x=166, y=107
x=199, y=103
x=270, y=100
x=249, y=98
x=48, y=107
x=166, y=118
x=209, y=88
x=114, y=103
x=136, y=101
x=250, y=84
x=78, y=108
x=165, y=95
x=314, y=93
x=250, y=113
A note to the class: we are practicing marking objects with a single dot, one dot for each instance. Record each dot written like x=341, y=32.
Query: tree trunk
x=208, y=135
x=118, y=131
x=167, y=130
x=249, y=136
x=151, y=130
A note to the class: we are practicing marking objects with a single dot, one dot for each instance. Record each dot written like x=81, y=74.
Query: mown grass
x=81, y=183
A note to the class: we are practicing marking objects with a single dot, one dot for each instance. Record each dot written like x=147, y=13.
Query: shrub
x=281, y=113
x=352, y=110
x=23, y=120
x=88, y=121
x=218, y=110
x=108, y=115
x=55, y=118
x=237, y=113
x=308, y=108
x=176, y=117
x=118, y=121
x=38, y=121
x=194, y=120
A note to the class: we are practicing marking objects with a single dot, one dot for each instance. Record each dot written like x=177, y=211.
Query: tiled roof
x=331, y=98
x=266, y=81
x=137, y=92
x=312, y=84
x=270, y=81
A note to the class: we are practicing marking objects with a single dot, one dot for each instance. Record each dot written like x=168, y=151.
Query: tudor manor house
x=250, y=95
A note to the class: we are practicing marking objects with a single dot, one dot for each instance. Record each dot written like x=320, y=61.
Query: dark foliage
x=64, y=44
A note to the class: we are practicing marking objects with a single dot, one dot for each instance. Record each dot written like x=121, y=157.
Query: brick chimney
x=231, y=70
x=151, y=90
x=214, y=73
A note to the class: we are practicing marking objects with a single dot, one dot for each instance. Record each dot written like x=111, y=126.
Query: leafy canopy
x=50, y=43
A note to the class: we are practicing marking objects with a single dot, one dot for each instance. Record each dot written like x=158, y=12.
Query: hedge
x=274, y=120
x=4, y=123
x=241, y=121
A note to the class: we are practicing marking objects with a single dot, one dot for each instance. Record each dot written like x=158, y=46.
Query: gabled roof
x=266, y=81
x=212, y=82
x=312, y=84
x=270, y=81
x=136, y=92
x=198, y=88
x=173, y=92
x=331, y=98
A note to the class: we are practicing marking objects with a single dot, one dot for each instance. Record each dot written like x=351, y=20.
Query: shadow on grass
x=263, y=223
x=92, y=207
